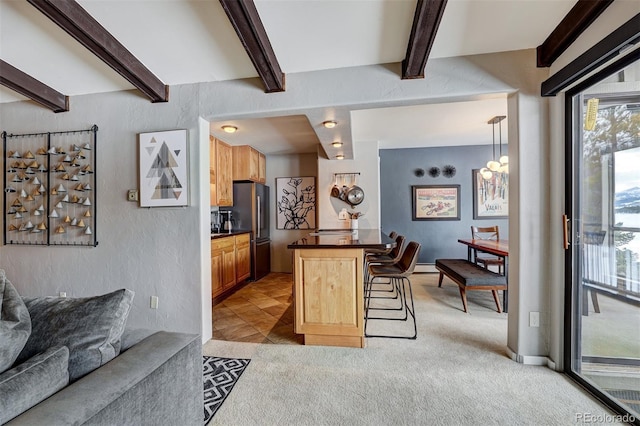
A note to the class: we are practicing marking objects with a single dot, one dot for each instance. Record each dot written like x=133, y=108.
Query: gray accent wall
x=439, y=238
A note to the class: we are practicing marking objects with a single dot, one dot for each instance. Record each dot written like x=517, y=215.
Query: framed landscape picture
x=490, y=196
x=436, y=202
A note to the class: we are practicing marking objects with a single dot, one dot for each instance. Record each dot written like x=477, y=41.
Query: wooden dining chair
x=487, y=233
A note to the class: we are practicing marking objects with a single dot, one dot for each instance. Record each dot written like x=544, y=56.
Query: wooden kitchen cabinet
x=223, y=264
x=230, y=262
x=249, y=164
x=243, y=258
x=262, y=168
x=220, y=172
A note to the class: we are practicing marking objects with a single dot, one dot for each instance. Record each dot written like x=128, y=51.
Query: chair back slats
x=485, y=233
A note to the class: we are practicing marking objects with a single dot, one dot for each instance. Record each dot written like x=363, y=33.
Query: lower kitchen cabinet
x=243, y=257
x=230, y=262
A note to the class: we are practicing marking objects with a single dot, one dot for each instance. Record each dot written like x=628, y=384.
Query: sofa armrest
x=157, y=381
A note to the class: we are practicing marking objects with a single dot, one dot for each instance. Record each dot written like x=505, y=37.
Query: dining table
x=499, y=248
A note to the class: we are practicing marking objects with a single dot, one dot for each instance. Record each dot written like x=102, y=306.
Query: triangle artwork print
x=163, y=168
x=168, y=185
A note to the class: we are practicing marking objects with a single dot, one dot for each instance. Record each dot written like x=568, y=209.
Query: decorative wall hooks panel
x=49, y=188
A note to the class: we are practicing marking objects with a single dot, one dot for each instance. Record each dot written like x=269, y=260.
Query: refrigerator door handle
x=259, y=216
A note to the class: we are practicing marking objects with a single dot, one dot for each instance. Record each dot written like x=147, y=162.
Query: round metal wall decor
x=434, y=172
x=418, y=172
x=448, y=171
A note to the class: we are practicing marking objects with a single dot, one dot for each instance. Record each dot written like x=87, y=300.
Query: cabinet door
x=243, y=257
x=216, y=271
x=246, y=163
x=229, y=265
x=224, y=169
x=262, y=168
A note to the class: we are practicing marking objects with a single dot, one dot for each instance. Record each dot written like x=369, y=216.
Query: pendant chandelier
x=502, y=164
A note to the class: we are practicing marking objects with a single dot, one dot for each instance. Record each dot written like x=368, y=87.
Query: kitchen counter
x=330, y=238
x=228, y=234
x=329, y=285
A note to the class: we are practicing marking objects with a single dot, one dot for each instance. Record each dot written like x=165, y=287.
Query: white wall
x=367, y=163
x=150, y=251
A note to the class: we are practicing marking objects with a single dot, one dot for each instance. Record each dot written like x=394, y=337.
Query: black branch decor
x=297, y=204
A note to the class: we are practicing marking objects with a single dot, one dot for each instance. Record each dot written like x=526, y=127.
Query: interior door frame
x=572, y=264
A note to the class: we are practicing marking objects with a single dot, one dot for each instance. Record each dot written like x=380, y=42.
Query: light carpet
x=456, y=372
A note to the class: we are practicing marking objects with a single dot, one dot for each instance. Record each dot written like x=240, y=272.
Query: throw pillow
x=33, y=381
x=15, y=323
x=90, y=327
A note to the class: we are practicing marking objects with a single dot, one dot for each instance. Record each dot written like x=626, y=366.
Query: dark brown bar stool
x=392, y=257
x=399, y=274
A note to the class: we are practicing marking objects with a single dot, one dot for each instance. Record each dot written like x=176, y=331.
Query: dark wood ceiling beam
x=581, y=15
x=248, y=25
x=76, y=21
x=426, y=21
x=33, y=89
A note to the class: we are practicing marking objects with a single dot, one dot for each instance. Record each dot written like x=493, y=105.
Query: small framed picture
x=490, y=196
x=436, y=202
x=164, y=169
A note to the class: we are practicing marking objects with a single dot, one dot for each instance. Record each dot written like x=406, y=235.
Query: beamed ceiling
x=95, y=46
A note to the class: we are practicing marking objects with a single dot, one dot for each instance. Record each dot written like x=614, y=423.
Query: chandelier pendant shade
x=502, y=164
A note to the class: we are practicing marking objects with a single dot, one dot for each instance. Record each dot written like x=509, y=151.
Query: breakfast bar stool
x=399, y=274
x=391, y=258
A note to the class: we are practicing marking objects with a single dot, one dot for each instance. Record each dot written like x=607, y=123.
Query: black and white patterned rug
x=220, y=375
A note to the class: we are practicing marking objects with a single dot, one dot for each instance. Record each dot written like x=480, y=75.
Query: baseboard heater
x=425, y=268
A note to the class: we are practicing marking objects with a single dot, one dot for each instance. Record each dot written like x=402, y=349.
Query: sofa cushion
x=15, y=323
x=34, y=380
x=90, y=327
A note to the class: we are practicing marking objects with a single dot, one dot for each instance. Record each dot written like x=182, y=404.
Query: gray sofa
x=157, y=381
x=72, y=361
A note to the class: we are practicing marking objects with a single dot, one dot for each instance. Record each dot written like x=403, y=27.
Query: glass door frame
x=573, y=268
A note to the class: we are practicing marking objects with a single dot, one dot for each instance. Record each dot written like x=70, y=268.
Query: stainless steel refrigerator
x=251, y=213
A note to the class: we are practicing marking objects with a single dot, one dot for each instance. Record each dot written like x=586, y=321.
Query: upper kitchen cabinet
x=220, y=172
x=249, y=164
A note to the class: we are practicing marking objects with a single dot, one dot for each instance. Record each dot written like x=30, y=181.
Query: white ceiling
x=187, y=41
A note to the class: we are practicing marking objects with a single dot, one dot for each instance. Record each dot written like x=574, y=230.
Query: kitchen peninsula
x=328, y=285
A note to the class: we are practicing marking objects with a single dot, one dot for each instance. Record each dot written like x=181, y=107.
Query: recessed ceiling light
x=336, y=144
x=229, y=129
x=329, y=124
x=339, y=157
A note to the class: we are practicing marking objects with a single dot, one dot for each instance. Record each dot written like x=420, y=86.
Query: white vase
x=354, y=223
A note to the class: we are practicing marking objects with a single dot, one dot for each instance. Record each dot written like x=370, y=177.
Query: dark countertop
x=224, y=234
x=337, y=239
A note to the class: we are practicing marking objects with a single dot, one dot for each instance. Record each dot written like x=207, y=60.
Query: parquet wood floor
x=260, y=312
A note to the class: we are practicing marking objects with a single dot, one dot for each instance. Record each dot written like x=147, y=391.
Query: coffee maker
x=227, y=222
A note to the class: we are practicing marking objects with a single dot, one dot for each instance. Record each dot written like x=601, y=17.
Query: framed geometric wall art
x=164, y=169
x=490, y=196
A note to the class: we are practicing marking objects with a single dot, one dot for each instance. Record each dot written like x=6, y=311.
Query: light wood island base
x=329, y=296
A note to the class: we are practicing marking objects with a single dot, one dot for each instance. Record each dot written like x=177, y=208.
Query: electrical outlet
x=154, y=302
x=534, y=319
x=343, y=215
x=132, y=195
x=63, y=294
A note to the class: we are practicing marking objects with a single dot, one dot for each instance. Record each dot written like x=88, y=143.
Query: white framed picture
x=164, y=169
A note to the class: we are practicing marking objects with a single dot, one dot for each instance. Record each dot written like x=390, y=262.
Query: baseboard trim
x=425, y=268
x=531, y=359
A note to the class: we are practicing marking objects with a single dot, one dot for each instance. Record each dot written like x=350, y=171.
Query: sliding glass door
x=604, y=259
